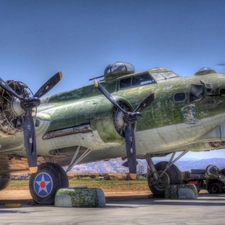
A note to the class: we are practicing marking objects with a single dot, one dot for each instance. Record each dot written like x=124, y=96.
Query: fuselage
x=176, y=120
x=187, y=114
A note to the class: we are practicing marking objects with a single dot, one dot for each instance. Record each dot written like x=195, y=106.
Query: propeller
x=27, y=104
x=129, y=118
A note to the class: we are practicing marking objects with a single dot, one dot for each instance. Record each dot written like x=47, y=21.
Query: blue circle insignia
x=43, y=184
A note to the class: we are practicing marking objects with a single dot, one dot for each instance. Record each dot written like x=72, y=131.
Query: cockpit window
x=137, y=80
x=142, y=79
x=124, y=83
x=164, y=75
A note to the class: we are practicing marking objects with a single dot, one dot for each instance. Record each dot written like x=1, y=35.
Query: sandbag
x=181, y=191
x=80, y=197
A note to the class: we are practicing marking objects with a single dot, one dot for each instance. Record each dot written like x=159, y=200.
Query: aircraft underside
x=89, y=147
x=163, y=142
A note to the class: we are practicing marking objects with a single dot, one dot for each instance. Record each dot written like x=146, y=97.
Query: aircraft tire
x=46, y=181
x=222, y=172
x=4, y=181
x=171, y=176
x=215, y=188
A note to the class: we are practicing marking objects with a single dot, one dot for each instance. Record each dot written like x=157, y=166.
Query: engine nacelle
x=10, y=110
x=109, y=121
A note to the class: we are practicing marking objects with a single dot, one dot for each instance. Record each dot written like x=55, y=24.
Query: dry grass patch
x=105, y=185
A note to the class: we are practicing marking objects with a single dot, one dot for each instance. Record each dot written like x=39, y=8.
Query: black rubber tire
x=223, y=189
x=4, y=181
x=46, y=181
x=171, y=176
x=215, y=188
x=222, y=172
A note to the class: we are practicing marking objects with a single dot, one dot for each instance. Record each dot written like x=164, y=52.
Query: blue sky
x=81, y=37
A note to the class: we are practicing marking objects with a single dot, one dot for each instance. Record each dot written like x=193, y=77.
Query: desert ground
x=19, y=189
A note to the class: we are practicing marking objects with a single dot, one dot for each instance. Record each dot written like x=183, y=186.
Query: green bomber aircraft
x=123, y=114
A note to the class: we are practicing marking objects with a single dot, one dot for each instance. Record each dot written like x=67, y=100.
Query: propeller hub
x=133, y=116
x=119, y=119
x=30, y=103
x=16, y=107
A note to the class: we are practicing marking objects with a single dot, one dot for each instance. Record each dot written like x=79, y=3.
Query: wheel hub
x=163, y=181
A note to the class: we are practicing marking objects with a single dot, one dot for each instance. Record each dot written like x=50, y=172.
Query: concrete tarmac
x=138, y=210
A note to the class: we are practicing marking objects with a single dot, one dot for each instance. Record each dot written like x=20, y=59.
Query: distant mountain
x=110, y=166
x=187, y=165
x=115, y=165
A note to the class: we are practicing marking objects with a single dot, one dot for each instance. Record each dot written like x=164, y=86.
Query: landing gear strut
x=46, y=181
x=163, y=174
x=171, y=176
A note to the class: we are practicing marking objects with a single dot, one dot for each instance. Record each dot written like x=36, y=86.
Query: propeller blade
x=48, y=85
x=131, y=150
x=28, y=124
x=146, y=102
x=6, y=87
x=108, y=96
x=125, y=164
x=30, y=141
x=130, y=118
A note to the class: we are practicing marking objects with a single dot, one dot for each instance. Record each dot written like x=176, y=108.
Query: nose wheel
x=46, y=181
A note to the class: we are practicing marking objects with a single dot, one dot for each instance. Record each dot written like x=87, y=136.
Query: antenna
x=97, y=77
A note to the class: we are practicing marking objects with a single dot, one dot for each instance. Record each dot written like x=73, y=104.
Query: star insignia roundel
x=43, y=184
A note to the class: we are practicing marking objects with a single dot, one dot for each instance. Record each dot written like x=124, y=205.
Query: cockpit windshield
x=163, y=75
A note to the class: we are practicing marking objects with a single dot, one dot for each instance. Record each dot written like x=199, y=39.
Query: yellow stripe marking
x=138, y=90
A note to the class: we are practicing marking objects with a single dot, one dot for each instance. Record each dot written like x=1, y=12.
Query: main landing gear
x=46, y=181
x=163, y=174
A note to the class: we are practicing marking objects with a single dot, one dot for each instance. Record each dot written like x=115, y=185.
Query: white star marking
x=42, y=183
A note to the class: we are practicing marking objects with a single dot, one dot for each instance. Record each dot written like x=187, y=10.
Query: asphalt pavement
x=136, y=209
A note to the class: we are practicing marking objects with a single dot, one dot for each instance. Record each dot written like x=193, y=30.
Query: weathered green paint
x=164, y=127
x=86, y=104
